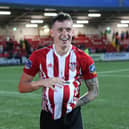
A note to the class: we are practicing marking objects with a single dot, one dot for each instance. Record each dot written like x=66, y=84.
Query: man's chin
x=65, y=45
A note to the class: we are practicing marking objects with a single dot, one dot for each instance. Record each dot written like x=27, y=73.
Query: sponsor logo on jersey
x=92, y=69
x=28, y=64
x=72, y=66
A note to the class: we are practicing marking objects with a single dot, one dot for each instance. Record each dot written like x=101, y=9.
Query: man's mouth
x=64, y=38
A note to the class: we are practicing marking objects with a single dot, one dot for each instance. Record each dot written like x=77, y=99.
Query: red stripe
x=66, y=96
x=67, y=67
x=56, y=65
x=56, y=74
x=44, y=100
x=44, y=90
x=72, y=105
x=77, y=87
x=44, y=63
x=51, y=98
x=77, y=66
x=75, y=84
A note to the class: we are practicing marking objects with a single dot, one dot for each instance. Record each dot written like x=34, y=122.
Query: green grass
x=109, y=111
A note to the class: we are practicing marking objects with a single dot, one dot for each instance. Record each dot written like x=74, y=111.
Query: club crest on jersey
x=28, y=64
x=72, y=66
x=92, y=69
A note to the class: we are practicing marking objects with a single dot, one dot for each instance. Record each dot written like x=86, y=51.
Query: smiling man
x=60, y=66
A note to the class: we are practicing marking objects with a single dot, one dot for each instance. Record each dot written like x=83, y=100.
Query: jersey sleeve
x=88, y=67
x=31, y=66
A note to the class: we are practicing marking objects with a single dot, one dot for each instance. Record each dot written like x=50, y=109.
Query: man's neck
x=62, y=51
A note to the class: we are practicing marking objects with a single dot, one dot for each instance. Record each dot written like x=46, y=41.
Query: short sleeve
x=31, y=65
x=88, y=68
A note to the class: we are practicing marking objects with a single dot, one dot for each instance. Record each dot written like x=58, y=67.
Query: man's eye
x=60, y=29
x=68, y=29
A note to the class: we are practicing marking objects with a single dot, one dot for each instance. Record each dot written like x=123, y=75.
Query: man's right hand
x=50, y=82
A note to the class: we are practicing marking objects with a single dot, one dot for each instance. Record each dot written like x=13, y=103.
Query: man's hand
x=50, y=82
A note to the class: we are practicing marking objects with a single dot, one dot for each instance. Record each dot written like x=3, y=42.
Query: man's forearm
x=82, y=100
x=86, y=98
x=92, y=93
x=28, y=86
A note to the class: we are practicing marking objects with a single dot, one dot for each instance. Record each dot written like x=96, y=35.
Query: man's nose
x=64, y=31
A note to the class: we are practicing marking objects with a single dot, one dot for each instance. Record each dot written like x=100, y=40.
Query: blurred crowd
x=92, y=43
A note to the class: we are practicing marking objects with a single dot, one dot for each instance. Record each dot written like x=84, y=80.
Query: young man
x=60, y=67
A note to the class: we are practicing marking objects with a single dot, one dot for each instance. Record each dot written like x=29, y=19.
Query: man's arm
x=92, y=85
x=27, y=84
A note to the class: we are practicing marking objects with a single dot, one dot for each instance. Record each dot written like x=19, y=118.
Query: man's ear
x=51, y=32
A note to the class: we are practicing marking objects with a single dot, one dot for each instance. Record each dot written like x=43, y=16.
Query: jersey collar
x=63, y=55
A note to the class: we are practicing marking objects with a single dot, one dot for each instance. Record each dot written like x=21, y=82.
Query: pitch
x=109, y=111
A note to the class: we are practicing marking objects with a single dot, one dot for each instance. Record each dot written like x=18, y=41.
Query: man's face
x=62, y=33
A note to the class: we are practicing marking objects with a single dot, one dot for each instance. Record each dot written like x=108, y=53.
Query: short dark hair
x=61, y=17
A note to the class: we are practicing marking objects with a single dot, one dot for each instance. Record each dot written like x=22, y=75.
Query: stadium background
x=107, y=43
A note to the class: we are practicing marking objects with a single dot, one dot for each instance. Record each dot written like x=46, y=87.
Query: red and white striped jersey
x=69, y=67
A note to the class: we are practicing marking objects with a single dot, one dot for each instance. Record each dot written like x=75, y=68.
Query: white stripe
x=58, y=96
x=42, y=73
x=50, y=61
x=71, y=88
x=115, y=71
x=61, y=66
x=49, y=105
x=72, y=74
x=120, y=76
x=17, y=94
x=58, y=100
